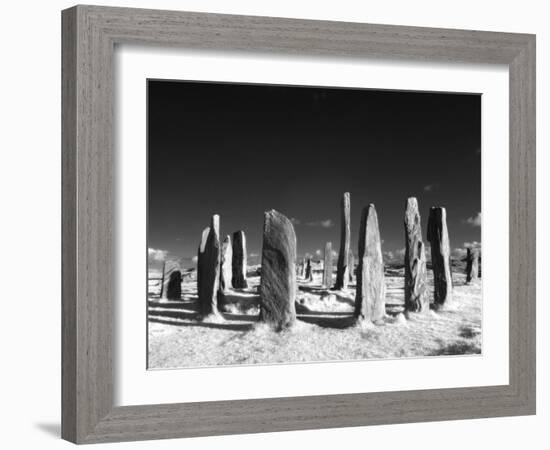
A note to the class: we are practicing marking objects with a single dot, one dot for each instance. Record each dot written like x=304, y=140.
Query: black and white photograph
x=301, y=224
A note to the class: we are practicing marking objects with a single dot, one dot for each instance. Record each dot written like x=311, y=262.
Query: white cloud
x=474, y=221
x=194, y=259
x=318, y=252
x=334, y=254
x=459, y=253
x=253, y=255
x=156, y=254
x=430, y=187
x=326, y=223
x=295, y=221
x=473, y=244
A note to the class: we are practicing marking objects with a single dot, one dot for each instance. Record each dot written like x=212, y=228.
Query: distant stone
x=309, y=272
x=327, y=266
x=441, y=259
x=370, y=301
x=208, y=268
x=342, y=273
x=351, y=266
x=278, y=288
x=472, y=264
x=238, y=279
x=173, y=288
x=416, y=291
x=303, y=268
x=226, y=271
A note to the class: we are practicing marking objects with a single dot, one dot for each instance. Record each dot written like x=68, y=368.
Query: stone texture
x=370, y=302
x=238, y=279
x=342, y=273
x=173, y=288
x=441, y=260
x=472, y=264
x=278, y=288
x=208, y=268
x=226, y=271
x=416, y=289
x=327, y=266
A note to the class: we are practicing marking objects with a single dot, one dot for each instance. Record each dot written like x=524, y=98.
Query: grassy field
x=325, y=330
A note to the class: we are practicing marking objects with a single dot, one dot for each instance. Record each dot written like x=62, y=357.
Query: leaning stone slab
x=327, y=266
x=416, y=290
x=342, y=273
x=441, y=259
x=226, y=270
x=472, y=264
x=370, y=301
x=238, y=279
x=208, y=269
x=278, y=286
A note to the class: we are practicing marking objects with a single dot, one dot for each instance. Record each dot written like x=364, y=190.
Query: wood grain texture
x=89, y=36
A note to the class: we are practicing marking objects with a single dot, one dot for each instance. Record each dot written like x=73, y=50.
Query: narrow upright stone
x=173, y=289
x=472, y=264
x=370, y=301
x=208, y=268
x=327, y=266
x=303, y=266
x=416, y=293
x=342, y=274
x=441, y=260
x=226, y=271
x=278, y=286
x=309, y=273
x=238, y=279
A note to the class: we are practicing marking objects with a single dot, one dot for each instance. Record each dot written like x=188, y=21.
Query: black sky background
x=239, y=149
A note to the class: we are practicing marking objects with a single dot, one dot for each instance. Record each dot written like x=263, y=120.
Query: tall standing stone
x=309, y=273
x=173, y=288
x=416, y=292
x=342, y=274
x=351, y=266
x=370, y=301
x=303, y=267
x=238, y=279
x=472, y=264
x=441, y=260
x=208, y=268
x=226, y=271
x=278, y=286
x=327, y=266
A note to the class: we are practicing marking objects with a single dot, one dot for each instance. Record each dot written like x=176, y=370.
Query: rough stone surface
x=416, y=289
x=472, y=264
x=238, y=279
x=327, y=266
x=278, y=288
x=226, y=271
x=208, y=268
x=173, y=288
x=370, y=301
x=342, y=273
x=441, y=260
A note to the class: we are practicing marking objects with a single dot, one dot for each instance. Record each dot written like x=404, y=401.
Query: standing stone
x=327, y=266
x=173, y=288
x=441, y=248
x=351, y=266
x=370, y=301
x=309, y=273
x=342, y=274
x=303, y=268
x=226, y=271
x=238, y=279
x=161, y=294
x=416, y=293
x=472, y=266
x=208, y=268
x=278, y=286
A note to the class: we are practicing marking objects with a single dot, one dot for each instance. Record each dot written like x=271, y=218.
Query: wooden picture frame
x=90, y=34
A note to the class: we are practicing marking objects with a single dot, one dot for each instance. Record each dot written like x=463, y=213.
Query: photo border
x=89, y=37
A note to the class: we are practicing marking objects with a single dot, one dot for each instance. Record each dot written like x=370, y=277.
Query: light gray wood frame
x=89, y=36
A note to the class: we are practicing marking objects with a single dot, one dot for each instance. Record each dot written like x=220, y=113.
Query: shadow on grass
x=340, y=322
x=457, y=348
x=216, y=326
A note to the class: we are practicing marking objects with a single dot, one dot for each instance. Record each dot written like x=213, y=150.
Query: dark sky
x=240, y=149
